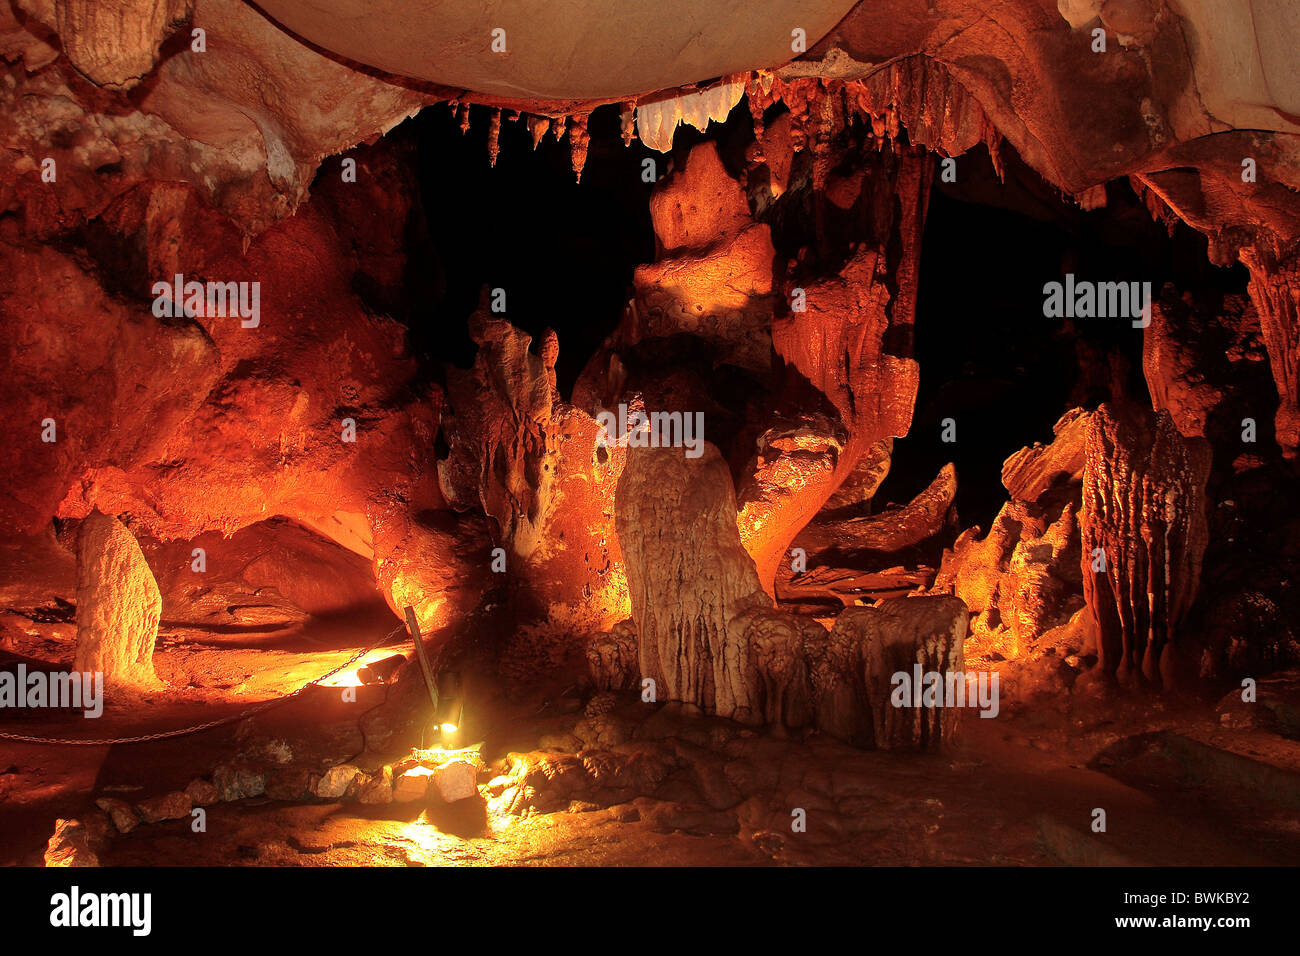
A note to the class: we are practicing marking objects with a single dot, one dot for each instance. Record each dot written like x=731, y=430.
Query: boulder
x=412, y=785
x=70, y=845
x=335, y=781
x=120, y=812
x=169, y=806
x=455, y=780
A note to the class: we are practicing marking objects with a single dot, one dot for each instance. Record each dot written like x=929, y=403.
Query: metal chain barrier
x=207, y=725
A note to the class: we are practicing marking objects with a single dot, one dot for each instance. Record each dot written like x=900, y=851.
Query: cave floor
x=1178, y=787
x=1020, y=790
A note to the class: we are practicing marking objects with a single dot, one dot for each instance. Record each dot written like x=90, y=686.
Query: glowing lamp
x=451, y=705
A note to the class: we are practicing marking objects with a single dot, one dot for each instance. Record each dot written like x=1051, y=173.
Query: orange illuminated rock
x=699, y=206
x=713, y=270
x=920, y=519
x=116, y=43
x=541, y=471
x=499, y=423
x=118, y=606
x=1023, y=579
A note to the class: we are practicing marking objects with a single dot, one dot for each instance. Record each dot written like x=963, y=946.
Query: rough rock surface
x=688, y=574
x=71, y=845
x=1205, y=365
x=1144, y=511
x=1275, y=290
x=612, y=657
x=1023, y=578
x=169, y=806
x=712, y=278
x=455, y=780
x=118, y=606
x=921, y=518
x=892, y=638
x=852, y=344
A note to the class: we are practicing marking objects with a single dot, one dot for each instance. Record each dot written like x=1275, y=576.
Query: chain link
x=207, y=725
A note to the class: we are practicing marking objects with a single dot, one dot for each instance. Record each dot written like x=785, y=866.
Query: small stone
x=170, y=806
x=292, y=783
x=412, y=785
x=379, y=788
x=238, y=783
x=336, y=781
x=70, y=845
x=120, y=812
x=456, y=780
x=202, y=793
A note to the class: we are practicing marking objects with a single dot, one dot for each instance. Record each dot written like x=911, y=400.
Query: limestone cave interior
x=784, y=432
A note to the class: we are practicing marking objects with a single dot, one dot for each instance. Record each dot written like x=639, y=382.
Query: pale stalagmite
x=118, y=605
x=687, y=573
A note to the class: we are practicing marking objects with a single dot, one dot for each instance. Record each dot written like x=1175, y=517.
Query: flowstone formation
x=1143, y=530
x=708, y=636
x=688, y=576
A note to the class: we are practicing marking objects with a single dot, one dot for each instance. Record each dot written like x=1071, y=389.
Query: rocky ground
x=620, y=782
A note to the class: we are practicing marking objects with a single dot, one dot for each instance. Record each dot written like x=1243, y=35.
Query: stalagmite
x=896, y=640
x=1022, y=579
x=1143, y=531
x=688, y=576
x=118, y=606
x=612, y=657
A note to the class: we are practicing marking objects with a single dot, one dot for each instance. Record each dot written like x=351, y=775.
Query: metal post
x=413, y=626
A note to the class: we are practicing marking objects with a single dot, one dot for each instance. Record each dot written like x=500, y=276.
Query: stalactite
x=823, y=109
x=493, y=139
x=463, y=114
x=557, y=127
x=537, y=127
x=578, y=140
x=754, y=97
x=627, y=122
